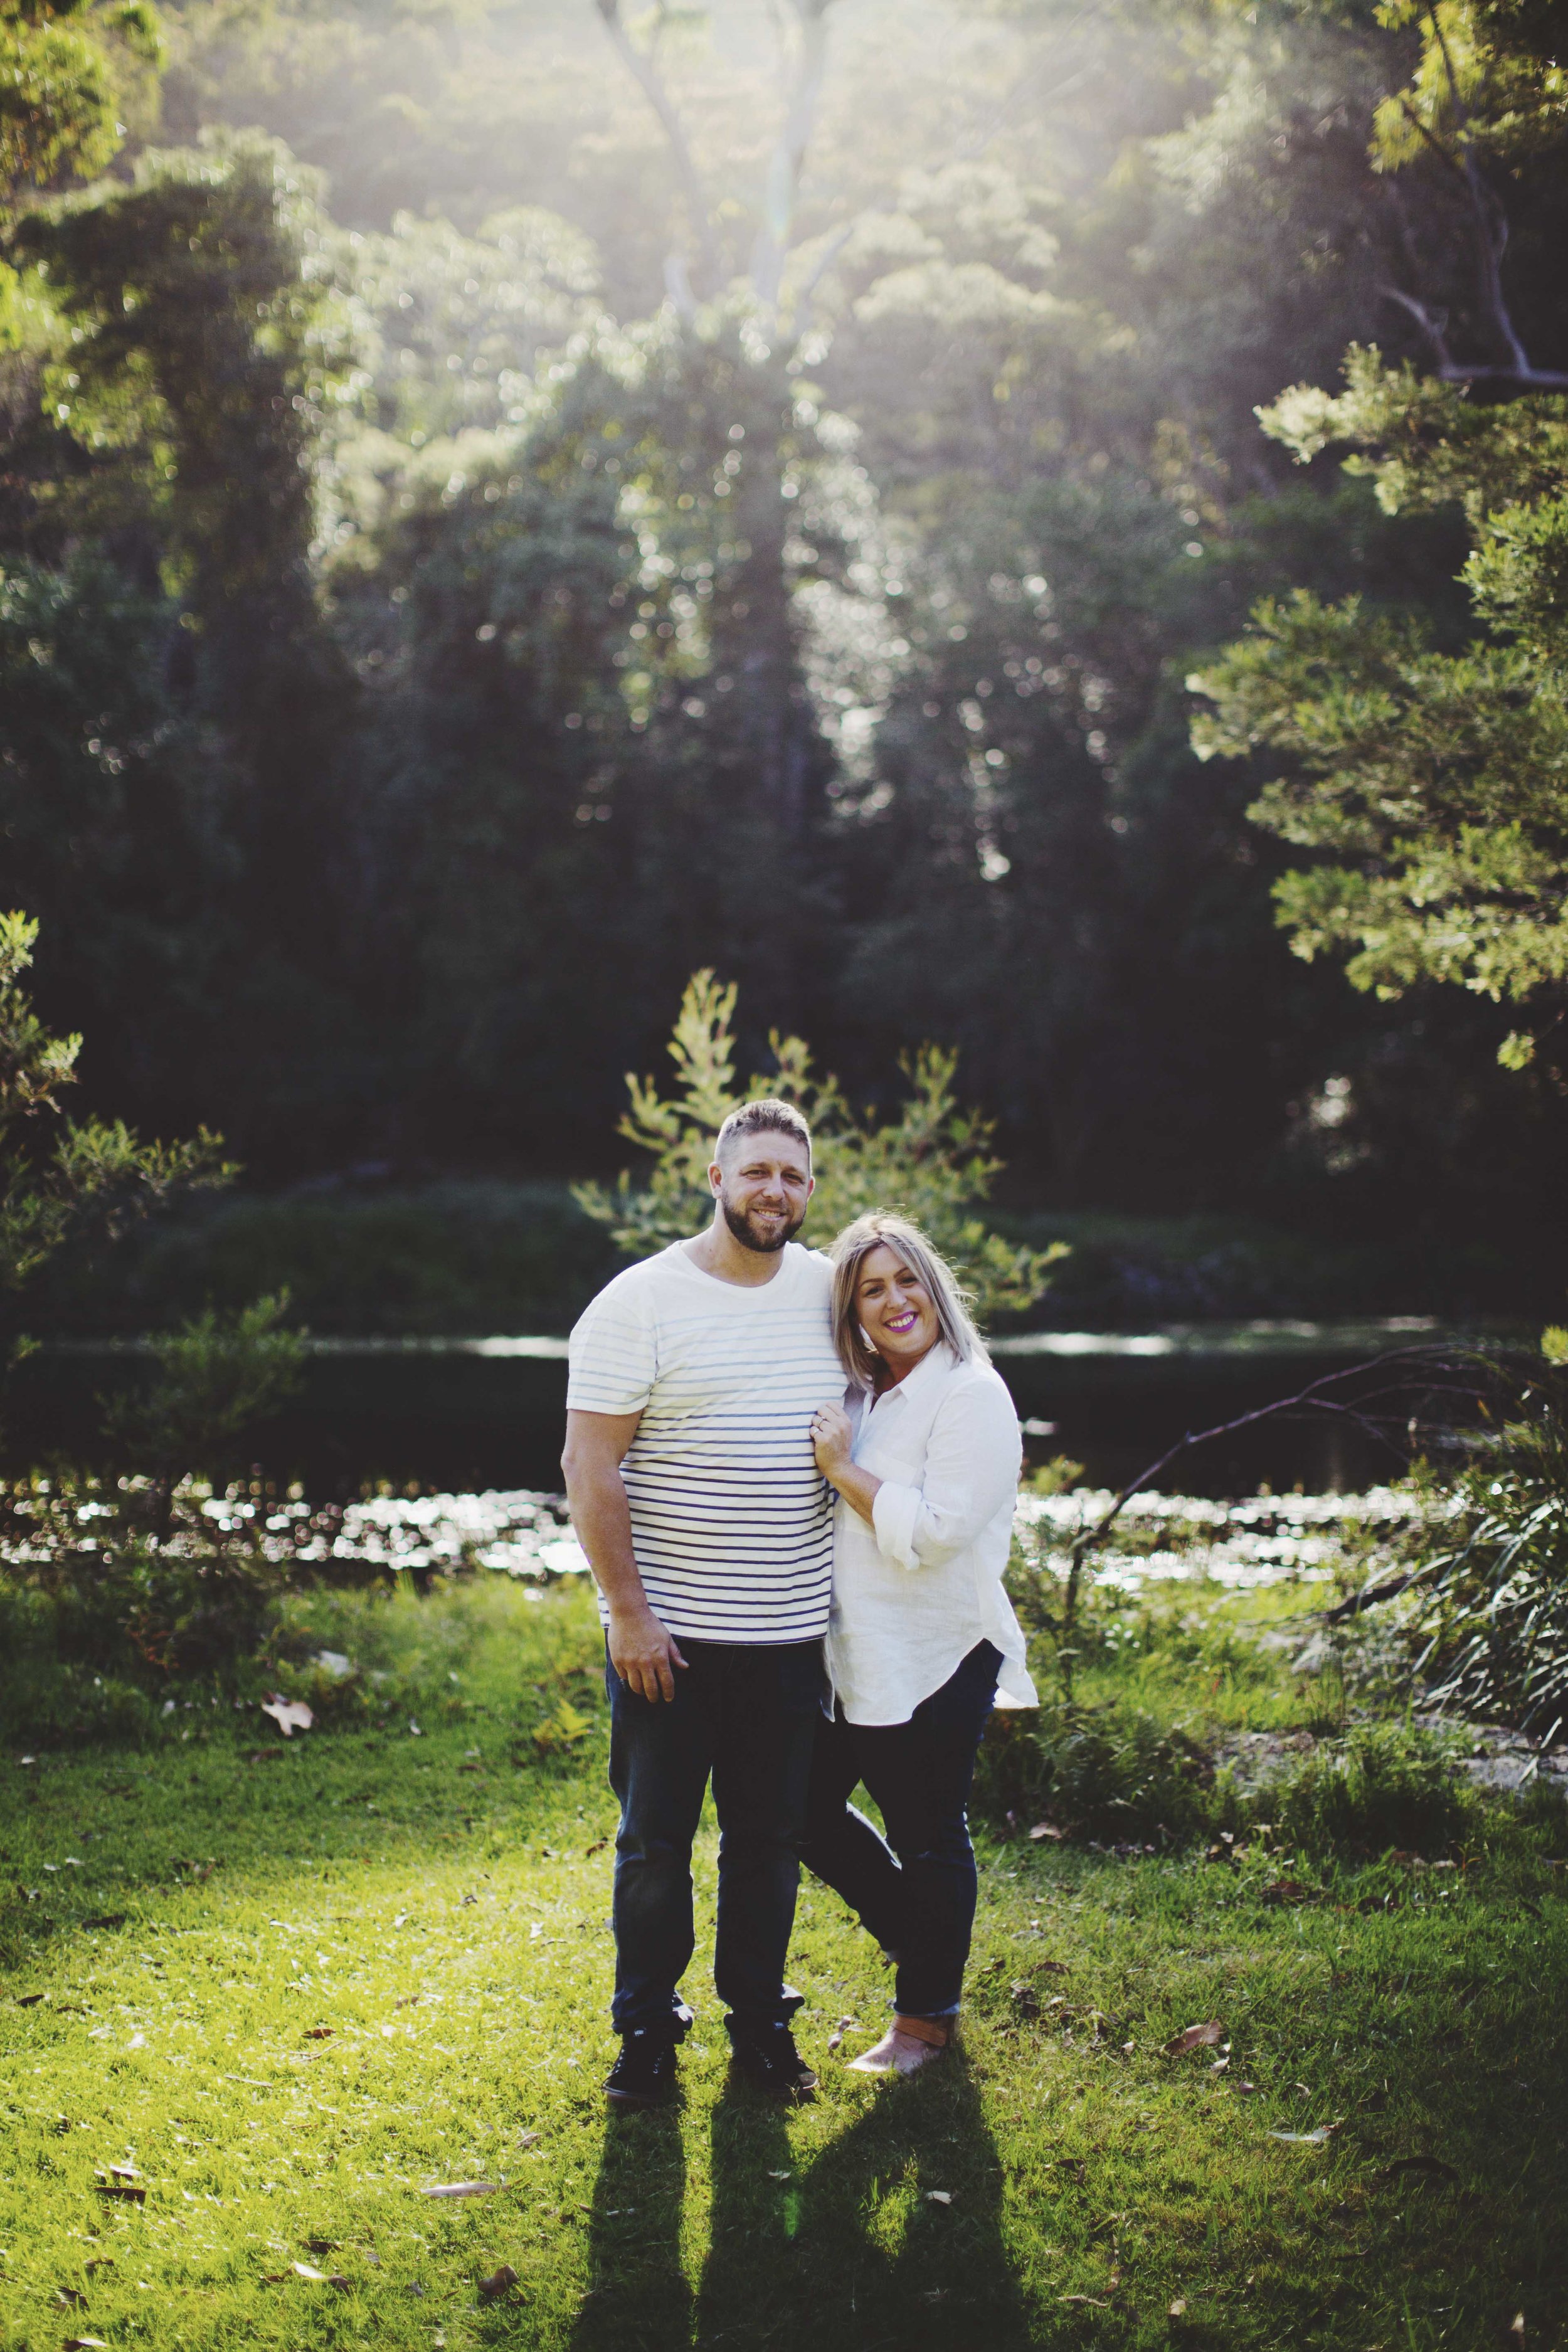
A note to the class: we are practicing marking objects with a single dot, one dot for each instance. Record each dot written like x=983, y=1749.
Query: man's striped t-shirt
x=732, y=1519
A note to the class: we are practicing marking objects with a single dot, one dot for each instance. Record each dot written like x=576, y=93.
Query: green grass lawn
x=294, y=1989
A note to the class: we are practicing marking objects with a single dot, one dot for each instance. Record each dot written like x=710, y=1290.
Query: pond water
x=1158, y=1539
x=487, y=1412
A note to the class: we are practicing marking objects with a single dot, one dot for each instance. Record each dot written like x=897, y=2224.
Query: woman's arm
x=970, y=1473
x=832, y=1434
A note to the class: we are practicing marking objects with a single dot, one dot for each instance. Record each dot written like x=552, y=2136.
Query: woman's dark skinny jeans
x=915, y=1890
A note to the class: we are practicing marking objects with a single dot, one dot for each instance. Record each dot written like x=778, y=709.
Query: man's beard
x=746, y=1233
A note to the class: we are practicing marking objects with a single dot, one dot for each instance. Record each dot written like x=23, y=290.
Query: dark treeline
x=470, y=557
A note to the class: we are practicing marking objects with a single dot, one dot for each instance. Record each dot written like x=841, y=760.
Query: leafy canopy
x=933, y=1161
x=1437, y=781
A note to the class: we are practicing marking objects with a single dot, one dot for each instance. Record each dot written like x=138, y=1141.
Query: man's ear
x=715, y=1176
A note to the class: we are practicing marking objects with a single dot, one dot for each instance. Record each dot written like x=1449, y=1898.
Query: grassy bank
x=465, y=1257
x=295, y=1984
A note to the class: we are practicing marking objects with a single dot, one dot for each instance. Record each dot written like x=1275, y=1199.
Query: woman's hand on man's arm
x=642, y=1650
x=832, y=1435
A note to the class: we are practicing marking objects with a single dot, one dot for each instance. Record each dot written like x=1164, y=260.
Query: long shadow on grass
x=637, y=2299
x=855, y=2256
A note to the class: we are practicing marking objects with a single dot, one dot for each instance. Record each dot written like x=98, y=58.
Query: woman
x=923, y=1638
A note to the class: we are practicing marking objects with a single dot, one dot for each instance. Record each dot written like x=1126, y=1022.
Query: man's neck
x=718, y=1253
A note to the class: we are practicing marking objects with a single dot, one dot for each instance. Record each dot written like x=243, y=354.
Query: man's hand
x=643, y=1653
x=832, y=1434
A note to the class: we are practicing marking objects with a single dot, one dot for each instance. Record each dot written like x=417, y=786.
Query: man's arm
x=641, y=1652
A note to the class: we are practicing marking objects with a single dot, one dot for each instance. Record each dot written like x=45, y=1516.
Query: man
x=694, y=1493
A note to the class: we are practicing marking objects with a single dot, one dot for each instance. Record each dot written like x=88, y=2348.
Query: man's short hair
x=762, y=1118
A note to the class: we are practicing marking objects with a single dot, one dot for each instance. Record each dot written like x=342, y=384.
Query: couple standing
x=786, y=1644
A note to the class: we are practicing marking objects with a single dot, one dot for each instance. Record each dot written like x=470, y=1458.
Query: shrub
x=933, y=1162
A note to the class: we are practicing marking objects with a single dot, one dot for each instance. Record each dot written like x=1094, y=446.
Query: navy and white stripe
x=731, y=1520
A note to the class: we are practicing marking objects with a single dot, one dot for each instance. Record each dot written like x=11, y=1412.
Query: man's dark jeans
x=744, y=1714
x=915, y=1890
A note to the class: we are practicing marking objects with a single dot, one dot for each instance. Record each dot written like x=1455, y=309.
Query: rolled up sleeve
x=969, y=1473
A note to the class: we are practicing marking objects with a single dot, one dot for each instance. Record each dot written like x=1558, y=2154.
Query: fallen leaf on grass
x=1309, y=2138
x=938, y=2196
x=318, y=2033
x=130, y=2189
x=1287, y=1890
x=261, y=1754
x=836, y=2042
x=1178, y=2310
x=1047, y=1829
x=27, y=1999
x=527, y=2139
x=463, y=2188
x=1517, y=2327
x=85, y=2343
x=1098, y=2301
x=322, y=2245
x=70, y=2298
x=304, y=2271
x=597, y=1847
x=288, y=1714
x=1432, y=2166
x=498, y=2283
x=781, y=2176
x=1195, y=2037
x=1248, y=2090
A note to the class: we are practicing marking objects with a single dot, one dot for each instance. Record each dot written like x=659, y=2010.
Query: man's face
x=763, y=1185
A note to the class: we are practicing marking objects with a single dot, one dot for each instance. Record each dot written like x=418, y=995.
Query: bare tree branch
x=1427, y=322
x=643, y=70
x=1489, y=218
x=1313, y=1397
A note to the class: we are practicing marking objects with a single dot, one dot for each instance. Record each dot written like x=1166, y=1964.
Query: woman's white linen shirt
x=913, y=1593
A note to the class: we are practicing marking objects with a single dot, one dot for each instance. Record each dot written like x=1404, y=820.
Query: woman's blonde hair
x=850, y=1253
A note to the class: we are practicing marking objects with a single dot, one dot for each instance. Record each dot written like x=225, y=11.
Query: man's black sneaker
x=767, y=2056
x=643, y=2074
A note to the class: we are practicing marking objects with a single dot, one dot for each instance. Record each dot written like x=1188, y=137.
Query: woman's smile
x=898, y=1313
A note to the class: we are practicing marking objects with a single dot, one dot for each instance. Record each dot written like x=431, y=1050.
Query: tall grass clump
x=1382, y=1787
x=1495, y=1608
x=1109, y=1773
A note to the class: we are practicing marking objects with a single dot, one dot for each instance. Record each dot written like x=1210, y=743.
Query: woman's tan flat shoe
x=910, y=2043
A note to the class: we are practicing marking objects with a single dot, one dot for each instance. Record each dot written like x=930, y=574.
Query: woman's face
x=897, y=1311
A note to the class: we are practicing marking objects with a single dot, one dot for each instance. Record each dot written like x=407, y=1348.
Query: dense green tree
x=1438, y=781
